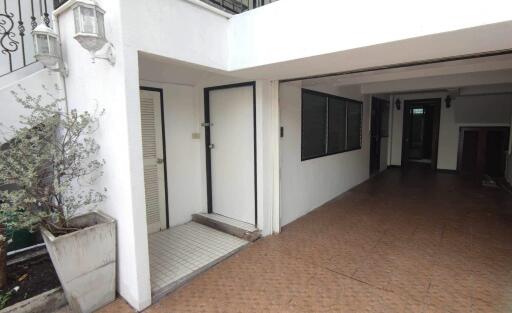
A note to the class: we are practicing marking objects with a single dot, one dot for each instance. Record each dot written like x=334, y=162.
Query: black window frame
x=327, y=117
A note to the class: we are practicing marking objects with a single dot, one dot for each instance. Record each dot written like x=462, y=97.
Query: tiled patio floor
x=414, y=242
x=177, y=253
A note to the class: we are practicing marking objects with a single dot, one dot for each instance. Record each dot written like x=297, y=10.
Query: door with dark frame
x=378, y=122
x=421, y=132
x=154, y=157
x=482, y=151
x=230, y=120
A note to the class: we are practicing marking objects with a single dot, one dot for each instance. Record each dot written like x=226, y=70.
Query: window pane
x=54, y=46
x=42, y=43
x=354, y=113
x=76, y=14
x=101, y=24
x=89, y=21
x=337, y=125
x=313, y=125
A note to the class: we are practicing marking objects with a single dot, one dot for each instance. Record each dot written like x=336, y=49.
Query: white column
x=115, y=88
x=267, y=133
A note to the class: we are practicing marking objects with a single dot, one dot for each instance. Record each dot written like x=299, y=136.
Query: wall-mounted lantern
x=398, y=103
x=47, y=48
x=90, y=30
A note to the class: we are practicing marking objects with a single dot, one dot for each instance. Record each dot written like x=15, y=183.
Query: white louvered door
x=152, y=149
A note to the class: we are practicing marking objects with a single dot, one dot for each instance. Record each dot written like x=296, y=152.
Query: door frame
x=378, y=127
x=434, y=102
x=207, y=142
x=462, y=129
x=162, y=117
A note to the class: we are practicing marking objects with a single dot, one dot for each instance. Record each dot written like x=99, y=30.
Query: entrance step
x=228, y=225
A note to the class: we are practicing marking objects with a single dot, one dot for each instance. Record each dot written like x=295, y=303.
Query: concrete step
x=228, y=225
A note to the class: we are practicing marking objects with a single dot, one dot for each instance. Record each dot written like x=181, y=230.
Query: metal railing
x=17, y=19
x=58, y=3
x=237, y=6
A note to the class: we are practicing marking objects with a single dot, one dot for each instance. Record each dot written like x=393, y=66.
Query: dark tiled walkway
x=414, y=242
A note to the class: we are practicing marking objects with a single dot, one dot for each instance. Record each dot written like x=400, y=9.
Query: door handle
x=211, y=146
x=159, y=161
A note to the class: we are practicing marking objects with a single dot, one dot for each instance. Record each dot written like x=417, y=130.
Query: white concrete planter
x=85, y=261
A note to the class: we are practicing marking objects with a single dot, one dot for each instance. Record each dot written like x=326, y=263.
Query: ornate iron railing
x=58, y=3
x=17, y=19
x=237, y=6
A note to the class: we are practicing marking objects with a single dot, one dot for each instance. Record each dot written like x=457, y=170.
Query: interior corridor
x=414, y=241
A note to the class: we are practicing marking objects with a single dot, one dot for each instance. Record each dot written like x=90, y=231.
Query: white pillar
x=115, y=88
x=267, y=141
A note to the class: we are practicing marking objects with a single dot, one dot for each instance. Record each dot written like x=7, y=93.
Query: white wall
x=183, y=153
x=475, y=110
x=290, y=30
x=41, y=83
x=271, y=43
x=307, y=185
x=176, y=29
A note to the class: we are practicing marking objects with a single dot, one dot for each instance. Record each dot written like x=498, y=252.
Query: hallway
x=402, y=242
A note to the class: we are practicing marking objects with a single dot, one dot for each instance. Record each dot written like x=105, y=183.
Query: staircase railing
x=237, y=6
x=58, y=3
x=17, y=19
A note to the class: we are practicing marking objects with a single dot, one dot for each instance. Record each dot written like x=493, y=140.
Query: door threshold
x=228, y=225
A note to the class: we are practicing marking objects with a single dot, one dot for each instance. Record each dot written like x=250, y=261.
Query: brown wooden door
x=470, y=162
x=482, y=151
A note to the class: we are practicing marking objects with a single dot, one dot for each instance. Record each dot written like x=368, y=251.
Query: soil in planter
x=33, y=277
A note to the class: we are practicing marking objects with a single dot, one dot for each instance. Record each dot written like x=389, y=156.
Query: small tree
x=48, y=165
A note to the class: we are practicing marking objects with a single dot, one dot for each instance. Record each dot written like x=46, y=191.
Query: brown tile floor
x=401, y=242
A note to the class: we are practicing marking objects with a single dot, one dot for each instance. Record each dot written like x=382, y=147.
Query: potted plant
x=52, y=162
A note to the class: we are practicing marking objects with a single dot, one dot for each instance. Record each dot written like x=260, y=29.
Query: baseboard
x=394, y=166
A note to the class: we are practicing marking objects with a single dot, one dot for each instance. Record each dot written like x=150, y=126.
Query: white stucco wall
x=297, y=29
x=41, y=83
x=476, y=110
x=176, y=29
x=309, y=184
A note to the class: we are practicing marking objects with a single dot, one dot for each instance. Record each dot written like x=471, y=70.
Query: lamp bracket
x=60, y=67
x=106, y=53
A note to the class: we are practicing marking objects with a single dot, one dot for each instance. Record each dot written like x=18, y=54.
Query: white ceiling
x=489, y=71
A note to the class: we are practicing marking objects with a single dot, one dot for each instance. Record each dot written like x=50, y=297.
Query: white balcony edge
x=210, y=8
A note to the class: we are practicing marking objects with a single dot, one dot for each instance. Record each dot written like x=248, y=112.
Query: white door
x=152, y=149
x=232, y=153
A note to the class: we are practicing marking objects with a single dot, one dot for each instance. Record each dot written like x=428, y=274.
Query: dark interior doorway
x=379, y=130
x=482, y=151
x=421, y=131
